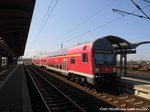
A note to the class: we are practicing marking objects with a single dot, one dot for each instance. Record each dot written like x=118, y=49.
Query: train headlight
x=96, y=70
x=114, y=70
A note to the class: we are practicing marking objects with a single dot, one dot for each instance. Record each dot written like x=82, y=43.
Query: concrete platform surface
x=136, y=86
x=142, y=90
x=14, y=96
x=145, y=88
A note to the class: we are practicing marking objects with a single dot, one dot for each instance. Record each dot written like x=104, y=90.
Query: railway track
x=53, y=99
x=120, y=100
x=37, y=101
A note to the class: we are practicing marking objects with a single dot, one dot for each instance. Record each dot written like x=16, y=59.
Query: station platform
x=137, y=85
x=14, y=96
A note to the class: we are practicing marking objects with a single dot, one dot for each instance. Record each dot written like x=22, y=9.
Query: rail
x=55, y=99
x=37, y=100
x=119, y=100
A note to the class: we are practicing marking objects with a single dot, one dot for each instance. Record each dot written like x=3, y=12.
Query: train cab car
x=105, y=68
x=92, y=62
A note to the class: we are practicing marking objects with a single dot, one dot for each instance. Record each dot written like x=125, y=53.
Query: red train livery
x=92, y=62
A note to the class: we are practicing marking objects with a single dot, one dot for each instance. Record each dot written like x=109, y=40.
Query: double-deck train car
x=92, y=62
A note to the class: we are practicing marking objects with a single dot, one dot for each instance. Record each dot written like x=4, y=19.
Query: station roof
x=119, y=43
x=15, y=19
x=135, y=45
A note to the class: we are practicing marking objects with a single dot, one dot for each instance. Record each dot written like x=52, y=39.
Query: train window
x=72, y=60
x=109, y=58
x=99, y=58
x=84, y=57
x=104, y=58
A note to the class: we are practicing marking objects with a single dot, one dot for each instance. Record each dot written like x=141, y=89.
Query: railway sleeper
x=138, y=103
x=130, y=100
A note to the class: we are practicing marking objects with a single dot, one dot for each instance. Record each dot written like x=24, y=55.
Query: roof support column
x=125, y=65
x=121, y=64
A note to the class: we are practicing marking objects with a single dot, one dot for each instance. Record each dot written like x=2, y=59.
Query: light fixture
x=1, y=40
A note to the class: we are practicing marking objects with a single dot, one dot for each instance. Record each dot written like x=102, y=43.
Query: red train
x=92, y=62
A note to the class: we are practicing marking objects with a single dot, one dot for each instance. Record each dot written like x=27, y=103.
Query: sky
x=70, y=22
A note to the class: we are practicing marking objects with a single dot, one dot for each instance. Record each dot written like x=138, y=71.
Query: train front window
x=104, y=58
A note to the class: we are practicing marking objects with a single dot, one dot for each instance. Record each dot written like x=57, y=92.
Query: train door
x=64, y=66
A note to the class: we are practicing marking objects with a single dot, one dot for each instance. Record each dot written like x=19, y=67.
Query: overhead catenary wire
x=93, y=15
x=50, y=14
x=93, y=29
x=114, y=20
x=44, y=23
x=131, y=13
x=138, y=7
x=98, y=27
x=120, y=12
x=46, y=13
x=147, y=1
x=87, y=19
